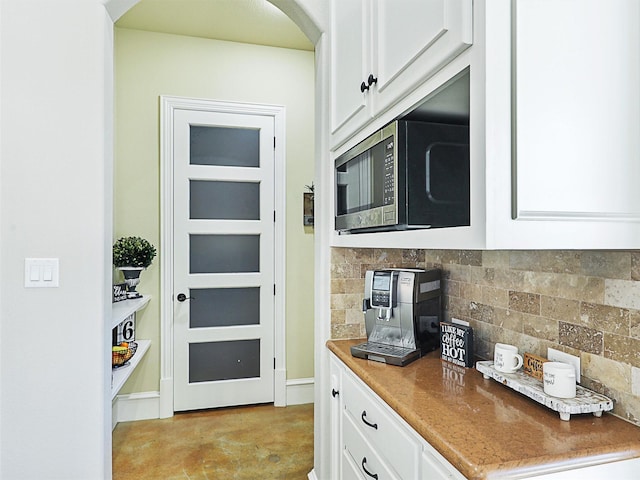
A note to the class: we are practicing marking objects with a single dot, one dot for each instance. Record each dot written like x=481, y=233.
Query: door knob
x=182, y=297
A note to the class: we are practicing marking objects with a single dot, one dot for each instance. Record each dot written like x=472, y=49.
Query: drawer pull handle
x=372, y=475
x=372, y=425
x=334, y=393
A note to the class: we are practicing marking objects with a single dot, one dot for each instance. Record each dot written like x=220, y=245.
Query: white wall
x=55, y=201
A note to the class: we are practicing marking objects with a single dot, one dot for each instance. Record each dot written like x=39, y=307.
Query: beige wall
x=148, y=65
x=586, y=303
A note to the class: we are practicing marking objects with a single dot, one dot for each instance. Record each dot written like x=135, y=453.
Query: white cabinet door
x=380, y=49
x=577, y=110
x=349, y=470
x=371, y=464
x=335, y=407
x=350, y=62
x=419, y=37
x=399, y=447
x=434, y=469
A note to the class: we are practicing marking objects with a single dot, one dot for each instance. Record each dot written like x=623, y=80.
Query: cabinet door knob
x=371, y=80
x=372, y=425
x=334, y=392
x=364, y=87
x=372, y=475
x=182, y=297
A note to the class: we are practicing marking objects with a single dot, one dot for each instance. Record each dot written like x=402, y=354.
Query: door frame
x=168, y=106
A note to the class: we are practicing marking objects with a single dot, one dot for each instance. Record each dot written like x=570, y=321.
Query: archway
x=291, y=9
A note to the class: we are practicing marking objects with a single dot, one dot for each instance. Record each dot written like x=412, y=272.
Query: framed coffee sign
x=456, y=343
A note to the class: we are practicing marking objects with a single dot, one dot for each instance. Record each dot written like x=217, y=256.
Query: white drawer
x=434, y=469
x=365, y=457
x=348, y=468
x=378, y=426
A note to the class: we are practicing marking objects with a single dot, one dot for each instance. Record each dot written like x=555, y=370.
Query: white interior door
x=223, y=259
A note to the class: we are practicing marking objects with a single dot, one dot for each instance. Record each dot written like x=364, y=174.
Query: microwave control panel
x=389, y=174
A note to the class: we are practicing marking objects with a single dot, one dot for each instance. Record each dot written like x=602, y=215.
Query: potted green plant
x=131, y=255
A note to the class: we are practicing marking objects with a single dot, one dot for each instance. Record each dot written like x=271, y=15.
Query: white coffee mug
x=506, y=358
x=559, y=379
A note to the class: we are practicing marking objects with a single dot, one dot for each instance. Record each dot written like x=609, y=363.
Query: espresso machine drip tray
x=385, y=353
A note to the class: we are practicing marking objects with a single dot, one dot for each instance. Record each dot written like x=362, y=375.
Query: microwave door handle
x=428, y=175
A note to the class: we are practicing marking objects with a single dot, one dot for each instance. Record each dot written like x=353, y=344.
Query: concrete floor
x=244, y=443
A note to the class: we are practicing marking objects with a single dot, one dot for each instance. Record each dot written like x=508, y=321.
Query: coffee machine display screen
x=381, y=281
x=381, y=290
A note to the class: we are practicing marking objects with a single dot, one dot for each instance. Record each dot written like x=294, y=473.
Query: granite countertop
x=485, y=429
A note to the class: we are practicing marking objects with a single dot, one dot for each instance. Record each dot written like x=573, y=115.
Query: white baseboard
x=166, y=397
x=146, y=405
x=280, y=387
x=135, y=406
x=312, y=475
x=300, y=391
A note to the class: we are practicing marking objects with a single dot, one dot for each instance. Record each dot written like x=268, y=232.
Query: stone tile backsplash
x=586, y=303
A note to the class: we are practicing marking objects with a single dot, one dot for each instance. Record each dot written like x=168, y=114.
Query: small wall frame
x=307, y=209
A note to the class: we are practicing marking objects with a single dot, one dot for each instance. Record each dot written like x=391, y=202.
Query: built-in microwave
x=408, y=175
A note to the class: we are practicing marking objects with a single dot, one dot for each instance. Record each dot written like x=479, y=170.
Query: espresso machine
x=402, y=310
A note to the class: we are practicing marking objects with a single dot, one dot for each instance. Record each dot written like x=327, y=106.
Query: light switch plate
x=41, y=273
x=557, y=356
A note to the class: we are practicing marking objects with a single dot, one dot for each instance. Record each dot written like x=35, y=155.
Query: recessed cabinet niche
x=383, y=48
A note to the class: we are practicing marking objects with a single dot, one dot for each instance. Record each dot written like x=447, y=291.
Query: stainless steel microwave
x=408, y=175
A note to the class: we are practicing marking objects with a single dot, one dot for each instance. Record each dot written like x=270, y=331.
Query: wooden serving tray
x=585, y=401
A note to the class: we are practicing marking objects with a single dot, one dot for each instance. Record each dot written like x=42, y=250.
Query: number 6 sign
x=125, y=331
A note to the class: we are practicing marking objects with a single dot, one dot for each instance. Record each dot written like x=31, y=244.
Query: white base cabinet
x=370, y=441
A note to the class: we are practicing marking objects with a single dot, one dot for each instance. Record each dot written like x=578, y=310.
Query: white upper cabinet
x=553, y=108
x=380, y=49
x=577, y=110
x=563, y=153
x=416, y=36
x=350, y=60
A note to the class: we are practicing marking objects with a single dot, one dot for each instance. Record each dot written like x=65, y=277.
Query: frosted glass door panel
x=213, y=361
x=224, y=307
x=224, y=146
x=216, y=200
x=224, y=253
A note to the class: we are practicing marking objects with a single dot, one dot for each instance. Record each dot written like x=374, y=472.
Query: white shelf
x=121, y=374
x=121, y=310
